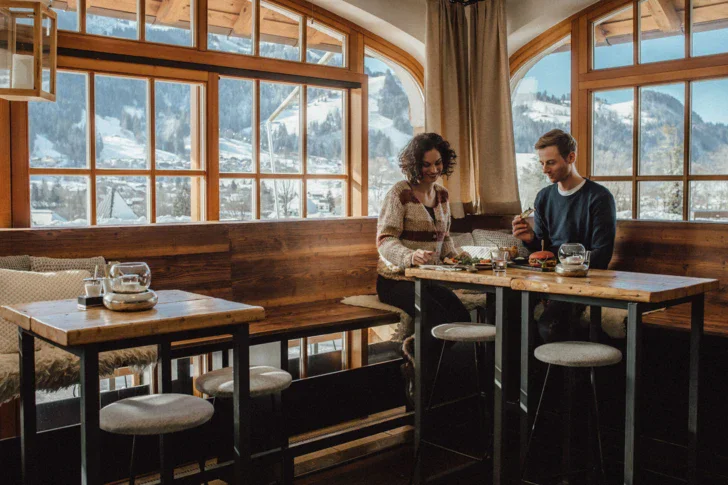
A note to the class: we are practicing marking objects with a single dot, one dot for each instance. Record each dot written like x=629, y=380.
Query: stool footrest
x=451, y=450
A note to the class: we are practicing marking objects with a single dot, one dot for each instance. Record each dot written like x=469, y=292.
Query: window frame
x=586, y=81
x=92, y=172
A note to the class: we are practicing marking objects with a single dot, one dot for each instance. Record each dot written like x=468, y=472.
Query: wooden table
x=425, y=352
x=637, y=293
x=178, y=316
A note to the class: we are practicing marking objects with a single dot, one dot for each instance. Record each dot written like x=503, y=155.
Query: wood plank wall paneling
x=6, y=219
x=677, y=248
x=275, y=263
x=268, y=263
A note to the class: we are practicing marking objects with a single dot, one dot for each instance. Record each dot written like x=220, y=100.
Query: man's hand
x=421, y=256
x=522, y=230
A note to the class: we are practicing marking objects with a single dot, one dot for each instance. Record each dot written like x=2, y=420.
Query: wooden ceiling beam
x=665, y=15
x=170, y=11
x=244, y=23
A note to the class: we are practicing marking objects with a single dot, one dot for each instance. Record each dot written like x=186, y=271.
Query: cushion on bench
x=493, y=239
x=470, y=299
x=42, y=264
x=18, y=263
x=27, y=287
x=57, y=369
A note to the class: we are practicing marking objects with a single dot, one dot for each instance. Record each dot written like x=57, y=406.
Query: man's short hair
x=560, y=139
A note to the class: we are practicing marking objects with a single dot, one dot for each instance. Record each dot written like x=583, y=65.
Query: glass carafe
x=573, y=255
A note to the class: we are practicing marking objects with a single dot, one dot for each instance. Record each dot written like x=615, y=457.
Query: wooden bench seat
x=297, y=321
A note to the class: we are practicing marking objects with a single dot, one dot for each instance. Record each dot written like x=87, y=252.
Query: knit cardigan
x=405, y=225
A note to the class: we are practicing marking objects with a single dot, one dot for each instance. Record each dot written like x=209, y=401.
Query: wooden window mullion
x=686, y=150
x=303, y=119
x=91, y=152
x=256, y=136
x=635, y=151
x=151, y=155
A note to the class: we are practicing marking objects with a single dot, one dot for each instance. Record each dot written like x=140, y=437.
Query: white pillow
x=495, y=239
x=26, y=287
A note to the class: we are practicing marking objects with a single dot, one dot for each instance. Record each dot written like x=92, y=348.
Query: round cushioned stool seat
x=264, y=380
x=578, y=354
x=465, y=332
x=155, y=414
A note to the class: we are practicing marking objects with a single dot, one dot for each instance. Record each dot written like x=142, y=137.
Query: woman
x=414, y=229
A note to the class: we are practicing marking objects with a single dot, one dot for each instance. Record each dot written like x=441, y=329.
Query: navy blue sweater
x=588, y=217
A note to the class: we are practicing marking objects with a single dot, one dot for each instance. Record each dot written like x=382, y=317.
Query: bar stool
x=155, y=414
x=477, y=333
x=572, y=354
x=264, y=381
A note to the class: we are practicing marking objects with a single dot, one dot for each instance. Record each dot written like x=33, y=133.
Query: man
x=572, y=209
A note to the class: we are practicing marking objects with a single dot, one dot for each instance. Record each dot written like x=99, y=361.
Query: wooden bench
x=297, y=270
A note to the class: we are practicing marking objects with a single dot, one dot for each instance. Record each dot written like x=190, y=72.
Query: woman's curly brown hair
x=410, y=158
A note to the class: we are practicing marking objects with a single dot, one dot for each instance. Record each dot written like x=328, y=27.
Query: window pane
x=280, y=199
x=709, y=127
x=59, y=200
x=236, y=125
x=67, y=14
x=709, y=201
x=622, y=192
x=237, y=199
x=58, y=133
x=612, y=122
x=662, y=129
x=324, y=45
x=180, y=199
x=177, y=131
x=280, y=122
x=121, y=122
x=661, y=200
x=324, y=354
x=661, y=31
x=122, y=200
x=325, y=198
x=710, y=29
x=169, y=21
x=230, y=26
x=396, y=112
x=118, y=21
x=541, y=102
x=613, y=40
x=325, y=131
x=384, y=343
x=280, y=35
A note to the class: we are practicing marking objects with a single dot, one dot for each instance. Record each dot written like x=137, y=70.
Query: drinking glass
x=499, y=258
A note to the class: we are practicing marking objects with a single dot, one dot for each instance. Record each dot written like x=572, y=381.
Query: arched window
x=396, y=112
x=541, y=93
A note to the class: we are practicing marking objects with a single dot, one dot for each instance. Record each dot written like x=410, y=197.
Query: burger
x=542, y=259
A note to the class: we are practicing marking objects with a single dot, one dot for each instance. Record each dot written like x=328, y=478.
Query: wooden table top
x=612, y=285
x=485, y=277
x=63, y=323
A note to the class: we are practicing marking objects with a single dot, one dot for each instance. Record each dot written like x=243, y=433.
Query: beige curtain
x=468, y=101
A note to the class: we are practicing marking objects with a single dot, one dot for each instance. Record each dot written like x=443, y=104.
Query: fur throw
x=57, y=369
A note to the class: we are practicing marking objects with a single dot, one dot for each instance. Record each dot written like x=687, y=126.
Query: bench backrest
x=266, y=263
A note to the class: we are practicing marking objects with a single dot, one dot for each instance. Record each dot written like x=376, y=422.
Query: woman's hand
x=421, y=256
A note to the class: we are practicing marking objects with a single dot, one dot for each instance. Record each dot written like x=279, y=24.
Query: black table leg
x=595, y=325
x=696, y=335
x=28, y=425
x=241, y=403
x=423, y=373
x=632, y=419
x=528, y=332
x=287, y=459
x=90, y=431
x=501, y=380
x=164, y=371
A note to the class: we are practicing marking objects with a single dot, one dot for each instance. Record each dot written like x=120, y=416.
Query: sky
x=552, y=73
